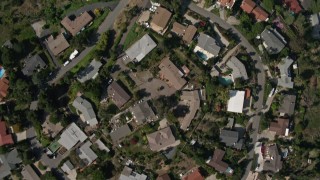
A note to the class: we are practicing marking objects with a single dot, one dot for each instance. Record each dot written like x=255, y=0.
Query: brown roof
x=118, y=95
x=74, y=26
x=247, y=5
x=192, y=100
x=4, y=86
x=217, y=163
x=195, y=175
x=224, y=3
x=164, y=177
x=280, y=126
x=162, y=139
x=178, y=28
x=189, y=33
x=5, y=138
x=260, y=14
x=171, y=73
x=161, y=17
x=58, y=44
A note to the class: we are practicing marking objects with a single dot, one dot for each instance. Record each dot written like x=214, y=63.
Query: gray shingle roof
x=141, y=48
x=273, y=41
x=86, y=109
x=71, y=136
x=89, y=72
x=231, y=138
x=285, y=73
x=8, y=162
x=238, y=69
x=128, y=174
x=142, y=112
x=86, y=153
x=32, y=63
x=274, y=162
x=209, y=44
x=67, y=166
x=288, y=104
x=119, y=133
x=29, y=174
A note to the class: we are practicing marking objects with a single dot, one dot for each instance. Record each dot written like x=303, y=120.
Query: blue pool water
x=225, y=81
x=202, y=56
x=2, y=71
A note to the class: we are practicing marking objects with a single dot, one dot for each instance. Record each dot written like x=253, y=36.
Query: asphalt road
x=261, y=75
x=106, y=25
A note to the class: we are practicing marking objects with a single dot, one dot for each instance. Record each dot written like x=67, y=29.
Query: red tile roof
x=260, y=14
x=293, y=5
x=228, y=3
x=195, y=175
x=4, y=137
x=247, y=5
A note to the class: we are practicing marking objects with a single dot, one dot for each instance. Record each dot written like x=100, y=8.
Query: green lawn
x=135, y=33
x=84, y=62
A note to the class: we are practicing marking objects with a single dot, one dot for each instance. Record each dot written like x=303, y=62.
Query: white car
x=73, y=54
x=66, y=63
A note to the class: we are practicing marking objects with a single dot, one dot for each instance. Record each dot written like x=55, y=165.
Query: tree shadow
x=181, y=111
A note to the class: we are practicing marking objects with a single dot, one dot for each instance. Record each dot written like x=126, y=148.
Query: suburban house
x=273, y=41
x=90, y=72
x=87, y=113
x=251, y=7
x=272, y=158
x=38, y=28
x=128, y=174
x=287, y=105
x=226, y=3
x=28, y=173
x=238, y=69
x=142, y=113
x=4, y=84
x=69, y=169
x=29, y=133
x=71, y=136
x=140, y=49
x=5, y=137
x=217, y=163
x=8, y=162
x=50, y=129
x=162, y=140
x=186, y=32
x=280, y=127
x=120, y=133
x=32, y=64
x=74, y=26
x=207, y=47
x=285, y=79
x=231, y=138
x=235, y=103
x=293, y=5
x=160, y=20
x=171, y=74
x=194, y=174
x=144, y=17
x=101, y=145
x=163, y=177
x=315, y=24
x=86, y=153
x=57, y=45
x=117, y=94
x=191, y=99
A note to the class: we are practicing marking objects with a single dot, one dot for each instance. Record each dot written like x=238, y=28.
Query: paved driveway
x=255, y=120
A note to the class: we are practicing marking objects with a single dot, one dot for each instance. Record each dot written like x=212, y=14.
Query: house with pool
x=207, y=47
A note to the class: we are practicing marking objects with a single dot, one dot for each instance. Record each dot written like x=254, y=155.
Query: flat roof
x=235, y=103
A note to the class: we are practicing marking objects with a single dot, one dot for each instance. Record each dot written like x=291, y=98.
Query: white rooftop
x=141, y=48
x=71, y=136
x=235, y=103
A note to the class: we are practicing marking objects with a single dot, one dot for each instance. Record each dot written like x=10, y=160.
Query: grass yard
x=135, y=33
x=84, y=62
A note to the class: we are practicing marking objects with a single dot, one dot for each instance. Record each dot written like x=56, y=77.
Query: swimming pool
x=225, y=80
x=202, y=56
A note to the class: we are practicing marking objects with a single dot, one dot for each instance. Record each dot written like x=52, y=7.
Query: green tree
x=268, y=5
x=48, y=176
x=103, y=43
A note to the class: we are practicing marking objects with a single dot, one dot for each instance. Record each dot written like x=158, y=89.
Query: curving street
x=258, y=105
x=106, y=25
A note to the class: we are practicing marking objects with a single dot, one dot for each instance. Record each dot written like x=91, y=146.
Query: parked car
x=66, y=63
x=73, y=54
